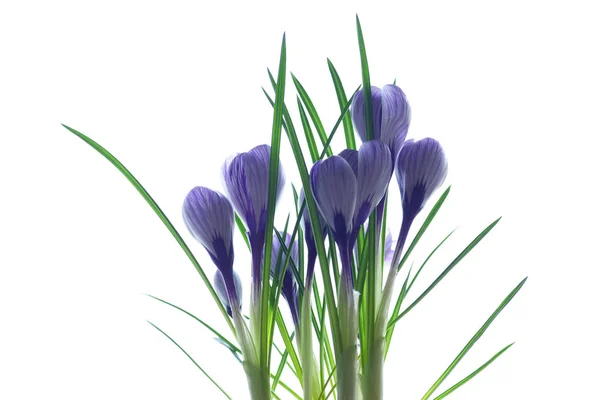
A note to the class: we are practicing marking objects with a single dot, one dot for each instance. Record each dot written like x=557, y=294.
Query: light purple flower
x=229, y=299
x=289, y=287
x=391, y=116
x=246, y=180
x=208, y=216
x=421, y=168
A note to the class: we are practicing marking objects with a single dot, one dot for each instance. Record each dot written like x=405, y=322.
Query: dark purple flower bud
x=209, y=217
x=246, y=180
x=391, y=116
x=308, y=233
x=289, y=287
x=229, y=299
x=335, y=186
x=421, y=168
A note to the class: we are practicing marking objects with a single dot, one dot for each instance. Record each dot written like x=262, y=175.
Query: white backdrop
x=172, y=88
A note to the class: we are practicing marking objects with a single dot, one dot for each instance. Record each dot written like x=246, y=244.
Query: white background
x=510, y=89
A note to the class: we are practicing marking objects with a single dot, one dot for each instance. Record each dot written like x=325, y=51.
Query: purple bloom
x=421, y=168
x=348, y=187
x=229, y=299
x=289, y=287
x=246, y=180
x=209, y=217
x=391, y=116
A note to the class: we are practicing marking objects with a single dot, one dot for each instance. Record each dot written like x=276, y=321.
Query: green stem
x=347, y=363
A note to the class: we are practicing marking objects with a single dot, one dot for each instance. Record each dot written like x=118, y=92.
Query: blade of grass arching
x=300, y=238
x=312, y=112
x=341, y=97
x=191, y=359
x=473, y=374
x=207, y=326
x=238, y=356
x=474, y=339
x=289, y=390
x=142, y=191
x=430, y=217
x=444, y=273
x=403, y=293
x=308, y=133
x=242, y=229
x=271, y=200
x=280, y=368
x=287, y=363
x=289, y=346
x=366, y=82
x=327, y=383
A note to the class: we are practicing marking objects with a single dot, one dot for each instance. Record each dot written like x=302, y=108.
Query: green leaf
x=342, y=100
x=312, y=112
x=194, y=361
x=474, y=339
x=114, y=161
x=449, y=268
x=366, y=83
x=405, y=291
x=281, y=366
x=430, y=217
x=308, y=133
x=474, y=373
x=207, y=326
x=242, y=228
x=271, y=202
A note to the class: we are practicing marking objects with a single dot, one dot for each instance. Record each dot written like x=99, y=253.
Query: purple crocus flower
x=289, y=287
x=246, y=180
x=208, y=216
x=391, y=116
x=347, y=188
x=221, y=290
x=421, y=168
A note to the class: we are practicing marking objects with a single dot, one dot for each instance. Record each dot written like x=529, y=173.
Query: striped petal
x=246, y=180
x=395, y=117
x=374, y=174
x=358, y=113
x=208, y=216
x=421, y=168
x=335, y=186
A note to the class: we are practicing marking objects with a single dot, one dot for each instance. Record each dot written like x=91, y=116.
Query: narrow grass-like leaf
x=449, y=268
x=312, y=112
x=191, y=359
x=327, y=383
x=142, y=191
x=242, y=229
x=474, y=339
x=406, y=289
x=430, y=217
x=308, y=133
x=473, y=374
x=342, y=100
x=271, y=201
x=366, y=82
x=281, y=367
x=207, y=326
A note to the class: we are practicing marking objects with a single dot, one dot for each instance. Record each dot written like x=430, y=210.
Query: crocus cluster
x=347, y=188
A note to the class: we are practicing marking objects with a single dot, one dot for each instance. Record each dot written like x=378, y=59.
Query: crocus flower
x=222, y=291
x=246, y=180
x=347, y=188
x=289, y=287
x=208, y=216
x=391, y=116
x=421, y=168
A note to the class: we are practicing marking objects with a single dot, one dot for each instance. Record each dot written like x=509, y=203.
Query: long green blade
x=312, y=112
x=449, y=268
x=341, y=97
x=366, y=83
x=308, y=133
x=473, y=374
x=194, y=361
x=474, y=339
x=207, y=326
x=114, y=161
x=271, y=201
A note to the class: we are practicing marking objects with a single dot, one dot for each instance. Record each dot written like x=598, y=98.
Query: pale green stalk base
x=372, y=382
x=310, y=371
x=258, y=382
x=347, y=363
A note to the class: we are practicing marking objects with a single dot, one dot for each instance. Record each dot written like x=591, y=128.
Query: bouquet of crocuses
x=341, y=336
